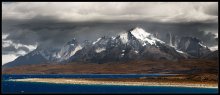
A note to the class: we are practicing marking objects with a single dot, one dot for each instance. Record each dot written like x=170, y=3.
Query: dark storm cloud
x=51, y=32
x=53, y=24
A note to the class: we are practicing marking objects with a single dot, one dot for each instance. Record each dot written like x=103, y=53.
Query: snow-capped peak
x=142, y=35
x=124, y=37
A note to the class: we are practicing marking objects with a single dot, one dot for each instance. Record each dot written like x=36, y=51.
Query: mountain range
x=135, y=44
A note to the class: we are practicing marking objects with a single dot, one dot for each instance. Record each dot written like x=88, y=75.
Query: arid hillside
x=198, y=70
x=131, y=67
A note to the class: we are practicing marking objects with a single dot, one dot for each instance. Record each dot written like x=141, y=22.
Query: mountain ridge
x=136, y=44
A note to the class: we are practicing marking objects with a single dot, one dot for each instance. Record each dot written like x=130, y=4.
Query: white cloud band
x=90, y=11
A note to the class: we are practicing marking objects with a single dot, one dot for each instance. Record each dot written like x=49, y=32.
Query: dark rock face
x=193, y=46
x=211, y=55
x=68, y=50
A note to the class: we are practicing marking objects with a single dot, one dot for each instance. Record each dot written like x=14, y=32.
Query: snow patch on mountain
x=142, y=35
x=202, y=45
x=124, y=37
x=139, y=33
x=214, y=48
x=113, y=38
x=98, y=50
x=79, y=47
x=180, y=51
x=123, y=50
x=153, y=38
x=96, y=41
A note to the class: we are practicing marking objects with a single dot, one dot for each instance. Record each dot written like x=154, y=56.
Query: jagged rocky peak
x=189, y=42
x=193, y=46
x=135, y=44
x=101, y=41
x=190, y=38
x=86, y=43
x=69, y=49
x=73, y=41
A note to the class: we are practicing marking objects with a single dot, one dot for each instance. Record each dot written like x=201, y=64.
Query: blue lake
x=29, y=87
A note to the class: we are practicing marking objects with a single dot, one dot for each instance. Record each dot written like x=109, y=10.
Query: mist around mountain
x=135, y=44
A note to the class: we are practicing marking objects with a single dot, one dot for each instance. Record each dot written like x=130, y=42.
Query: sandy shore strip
x=109, y=82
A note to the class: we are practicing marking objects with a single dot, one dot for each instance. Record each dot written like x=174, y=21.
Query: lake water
x=31, y=87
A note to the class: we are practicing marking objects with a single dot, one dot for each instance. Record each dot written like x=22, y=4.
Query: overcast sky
x=26, y=26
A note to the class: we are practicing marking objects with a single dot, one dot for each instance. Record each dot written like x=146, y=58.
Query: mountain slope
x=68, y=50
x=35, y=57
x=193, y=46
x=211, y=55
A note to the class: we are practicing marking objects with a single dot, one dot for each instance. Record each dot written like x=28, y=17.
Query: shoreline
x=134, y=82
